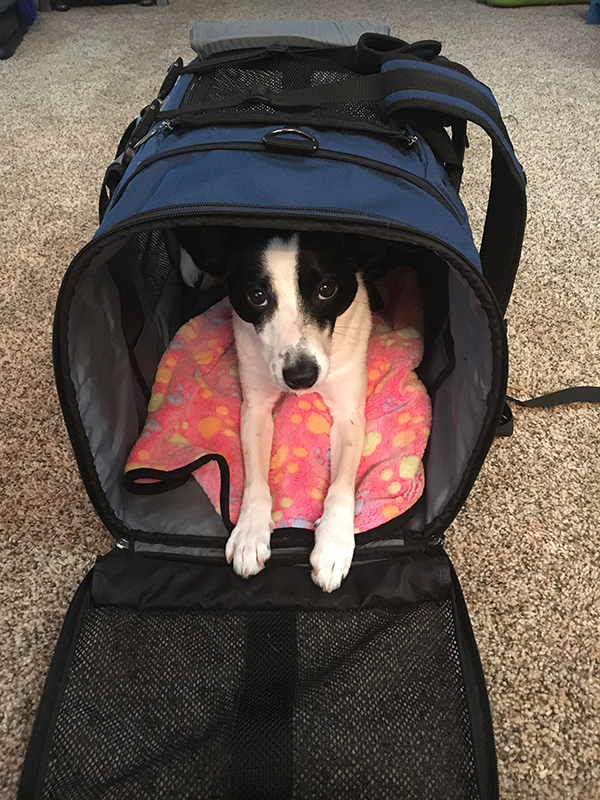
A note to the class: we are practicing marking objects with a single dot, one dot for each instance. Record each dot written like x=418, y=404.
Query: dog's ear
x=371, y=258
x=207, y=247
x=364, y=252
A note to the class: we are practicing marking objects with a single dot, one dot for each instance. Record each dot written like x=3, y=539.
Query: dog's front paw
x=248, y=546
x=332, y=554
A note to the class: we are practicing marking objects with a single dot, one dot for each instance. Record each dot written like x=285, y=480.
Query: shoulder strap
x=433, y=88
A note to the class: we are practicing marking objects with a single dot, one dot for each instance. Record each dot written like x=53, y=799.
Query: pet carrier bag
x=173, y=677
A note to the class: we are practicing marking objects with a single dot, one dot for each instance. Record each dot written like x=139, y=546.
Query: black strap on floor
x=261, y=757
x=575, y=394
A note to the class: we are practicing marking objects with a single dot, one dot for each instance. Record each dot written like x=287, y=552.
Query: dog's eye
x=327, y=290
x=257, y=297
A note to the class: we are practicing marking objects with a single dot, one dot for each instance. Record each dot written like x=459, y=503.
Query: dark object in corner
x=14, y=22
x=63, y=5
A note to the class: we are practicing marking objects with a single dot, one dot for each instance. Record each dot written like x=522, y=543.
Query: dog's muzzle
x=302, y=374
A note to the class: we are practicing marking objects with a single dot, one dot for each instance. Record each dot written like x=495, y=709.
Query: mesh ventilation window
x=381, y=711
x=157, y=259
x=149, y=709
x=231, y=80
x=287, y=74
x=320, y=704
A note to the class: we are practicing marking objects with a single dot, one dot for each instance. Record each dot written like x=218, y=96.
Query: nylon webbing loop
x=150, y=481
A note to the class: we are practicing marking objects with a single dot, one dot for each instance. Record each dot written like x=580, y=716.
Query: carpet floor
x=526, y=544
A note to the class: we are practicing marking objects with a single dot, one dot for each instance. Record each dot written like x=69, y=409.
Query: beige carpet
x=526, y=546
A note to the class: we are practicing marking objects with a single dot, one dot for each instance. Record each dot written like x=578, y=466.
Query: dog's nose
x=302, y=374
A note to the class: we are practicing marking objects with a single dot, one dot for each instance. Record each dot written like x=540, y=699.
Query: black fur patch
x=322, y=260
x=247, y=274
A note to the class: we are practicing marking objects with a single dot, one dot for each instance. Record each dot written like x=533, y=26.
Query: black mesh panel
x=380, y=709
x=150, y=707
x=264, y=704
x=285, y=74
x=231, y=80
x=156, y=263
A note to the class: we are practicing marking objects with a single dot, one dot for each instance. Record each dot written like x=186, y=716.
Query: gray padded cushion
x=208, y=38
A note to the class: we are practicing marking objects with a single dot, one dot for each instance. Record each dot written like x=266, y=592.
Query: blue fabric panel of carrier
x=210, y=178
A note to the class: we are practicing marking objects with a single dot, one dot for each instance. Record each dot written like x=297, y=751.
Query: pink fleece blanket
x=194, y=410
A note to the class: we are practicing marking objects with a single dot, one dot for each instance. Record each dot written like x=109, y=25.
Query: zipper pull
x=408, y=139
x=165, y=128
x=145, y=138
x=176, y=124
x=122, y=544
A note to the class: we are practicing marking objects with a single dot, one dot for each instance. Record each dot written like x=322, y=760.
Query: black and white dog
x=302, y=322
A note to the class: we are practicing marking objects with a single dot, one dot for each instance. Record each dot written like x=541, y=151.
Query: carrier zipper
x=311, y=213
x=330, y=155
x=123, y=544
x=295, y=552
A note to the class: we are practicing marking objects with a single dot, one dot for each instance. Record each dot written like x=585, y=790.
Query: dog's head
x=291, y=287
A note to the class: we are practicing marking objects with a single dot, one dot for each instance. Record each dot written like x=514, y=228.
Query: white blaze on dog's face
x=292, y=288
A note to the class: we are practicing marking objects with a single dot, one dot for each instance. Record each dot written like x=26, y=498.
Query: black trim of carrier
x=476, y=695
x=38, y=749
x=242, y=215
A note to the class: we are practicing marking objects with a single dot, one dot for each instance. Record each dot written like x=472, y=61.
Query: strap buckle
x=169, y=82
x=259, y=93
x=506, y=425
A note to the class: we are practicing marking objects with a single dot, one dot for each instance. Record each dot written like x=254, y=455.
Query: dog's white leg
x=344, y=391
x=334, y=535
x=248, y=546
